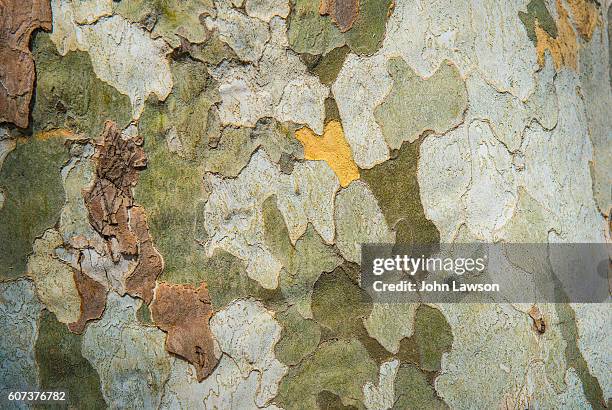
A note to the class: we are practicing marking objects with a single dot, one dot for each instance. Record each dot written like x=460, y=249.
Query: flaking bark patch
x=110, y=198
x=93, y=301
x=18, y=19
x=183, y=312
x=114, y=214
x=150, y=263
x=538, y=319
x=564, y=47
x=342, y=12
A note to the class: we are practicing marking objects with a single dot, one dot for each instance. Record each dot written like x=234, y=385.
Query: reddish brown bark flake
x=113, y=213
x=141, y=281
x=183, y=312
x=109, y=200
x=18, y=19
x=93, y=301
x=538, y=319
x=342, y=12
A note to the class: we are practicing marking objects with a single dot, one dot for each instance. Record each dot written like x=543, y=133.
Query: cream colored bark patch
x=362, y=84
x=122, y=54
x=332, y=148
x=234, y=219
x=416, y=105
x=248, y=373
x=54, y=279
x=246, y=35
x=521, y=367
x=275, y=83
x=129, y=357
x=390, y=323
x=19, y=326
x=359, y=220
x=382, y=396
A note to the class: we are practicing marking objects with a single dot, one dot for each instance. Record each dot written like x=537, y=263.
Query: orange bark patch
x=183, y=312
x=332, y=148
x=18, y=19
x=342, y=12
x=538, y=319
x=58, y=133
x=585, y=16
x=564, y=48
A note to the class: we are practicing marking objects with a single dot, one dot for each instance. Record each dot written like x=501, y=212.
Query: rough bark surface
x=18, y=20
x=184, y=312
x=181, y=224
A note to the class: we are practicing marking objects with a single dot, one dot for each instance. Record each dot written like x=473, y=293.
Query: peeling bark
x=538, y=319
x=93, y=301
x=342, y=12
x=110, y=199
x=150, y=264
x=183, y=312
x=113, y=213
x=563, y=48
x=18, y=19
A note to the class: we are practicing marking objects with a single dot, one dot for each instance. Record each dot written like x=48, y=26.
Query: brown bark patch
x=183, y=312
x=93, y=301
x=538, y=319
x=114, y=214
x=342, y=12
x=18, y=19
x=109, y=200
x=141, y=281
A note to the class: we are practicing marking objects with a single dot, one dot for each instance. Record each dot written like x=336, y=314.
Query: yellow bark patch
x=585, y=16
x=332, y=148
x=58, y=133
x=564, y=48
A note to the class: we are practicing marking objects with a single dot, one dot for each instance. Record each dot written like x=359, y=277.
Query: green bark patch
x=232, y=152
x=170, y=190
x=183, y=140
x=340, y=307
x=183, y=118
x=303, y=264
x=327, y=400
x=339, y=304
x=63, y=367
x=310, y=32
x=538, y=13
x=299, y=338
x=433, y=336
x=590, y=385
x=328, y=66
x=34, y=195
x=69, y=95
x=396, y=188
x=413, y=391
x=340, y=367
x=171, y=19
x=416, y=105
x=368, y=31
